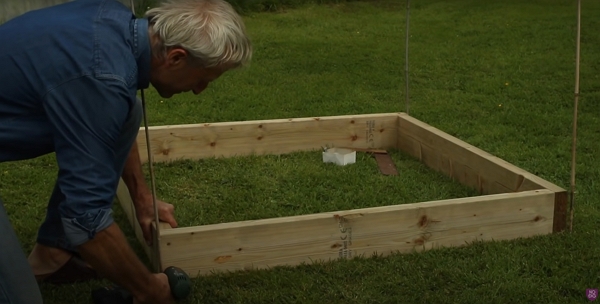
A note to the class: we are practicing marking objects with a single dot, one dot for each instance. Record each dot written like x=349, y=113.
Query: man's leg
x=52, y=250
x=17, y=283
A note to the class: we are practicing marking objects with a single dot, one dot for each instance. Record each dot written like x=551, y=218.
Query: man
x=68, y=81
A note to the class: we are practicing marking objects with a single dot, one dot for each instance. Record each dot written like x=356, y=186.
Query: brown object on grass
x=386, y=164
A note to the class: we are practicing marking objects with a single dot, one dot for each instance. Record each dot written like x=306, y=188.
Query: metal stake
x=157, y=262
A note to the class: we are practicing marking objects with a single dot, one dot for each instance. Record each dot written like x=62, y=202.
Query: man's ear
x=176, y=57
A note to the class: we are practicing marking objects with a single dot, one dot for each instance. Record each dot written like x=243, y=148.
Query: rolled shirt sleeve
x=86, y=115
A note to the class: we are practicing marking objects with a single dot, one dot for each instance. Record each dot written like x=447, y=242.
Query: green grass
x=213, y=191
x=499, y=75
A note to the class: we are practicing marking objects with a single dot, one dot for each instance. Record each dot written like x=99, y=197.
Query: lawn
x=212, y=191
x=498, y=75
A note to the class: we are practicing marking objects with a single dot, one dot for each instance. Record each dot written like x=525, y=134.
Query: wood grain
x=472, y=166
x=516, y=203
x=332, y=235
x=464, y=162
x=278, y=136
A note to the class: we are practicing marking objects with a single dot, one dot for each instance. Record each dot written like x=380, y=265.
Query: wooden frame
x=513, y=202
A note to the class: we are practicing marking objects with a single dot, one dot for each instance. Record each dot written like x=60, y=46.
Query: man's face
x=174, y=74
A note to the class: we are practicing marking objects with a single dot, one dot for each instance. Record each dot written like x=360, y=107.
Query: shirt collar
x=142, y=53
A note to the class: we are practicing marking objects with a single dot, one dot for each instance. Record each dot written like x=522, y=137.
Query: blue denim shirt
x=68, y=78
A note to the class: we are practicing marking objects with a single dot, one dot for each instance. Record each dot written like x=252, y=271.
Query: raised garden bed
x=506, y=202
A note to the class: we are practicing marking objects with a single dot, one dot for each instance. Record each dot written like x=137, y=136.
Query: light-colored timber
x=513, y=203
x=294, y=240
x=226, y=139
x=124, y=198
x=470, y=165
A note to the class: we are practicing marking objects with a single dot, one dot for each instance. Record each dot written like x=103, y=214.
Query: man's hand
x=142, y=197
x=110, y=254
x=162, y=294
x=145, y=215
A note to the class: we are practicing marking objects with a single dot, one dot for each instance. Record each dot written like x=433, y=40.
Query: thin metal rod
x=151, y=168
x=157, y=260
x=132, y=7
x=150, y=160
x=406, y=60
x=574, y=144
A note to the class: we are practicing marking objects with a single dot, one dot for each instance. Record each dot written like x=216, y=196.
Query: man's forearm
x=110, y=254
x=133, y=176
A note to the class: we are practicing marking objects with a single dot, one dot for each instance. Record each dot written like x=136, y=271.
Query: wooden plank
x=124, y=198
x=560, y=201
x=472, y=166
x=278, y=136
x=463, y=162
x=332, y=235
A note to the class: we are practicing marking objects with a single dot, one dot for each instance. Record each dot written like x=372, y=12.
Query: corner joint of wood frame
x=560, y=211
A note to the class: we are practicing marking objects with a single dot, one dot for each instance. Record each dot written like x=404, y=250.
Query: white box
x=339, y=156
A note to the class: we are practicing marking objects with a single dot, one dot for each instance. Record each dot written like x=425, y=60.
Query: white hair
x=211, y=30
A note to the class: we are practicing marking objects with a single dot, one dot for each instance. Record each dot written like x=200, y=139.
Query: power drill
x=179, y=282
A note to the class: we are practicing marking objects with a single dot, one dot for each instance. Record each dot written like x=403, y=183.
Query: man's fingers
x=169, y=219
x=166, y=214
x=147, y=232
